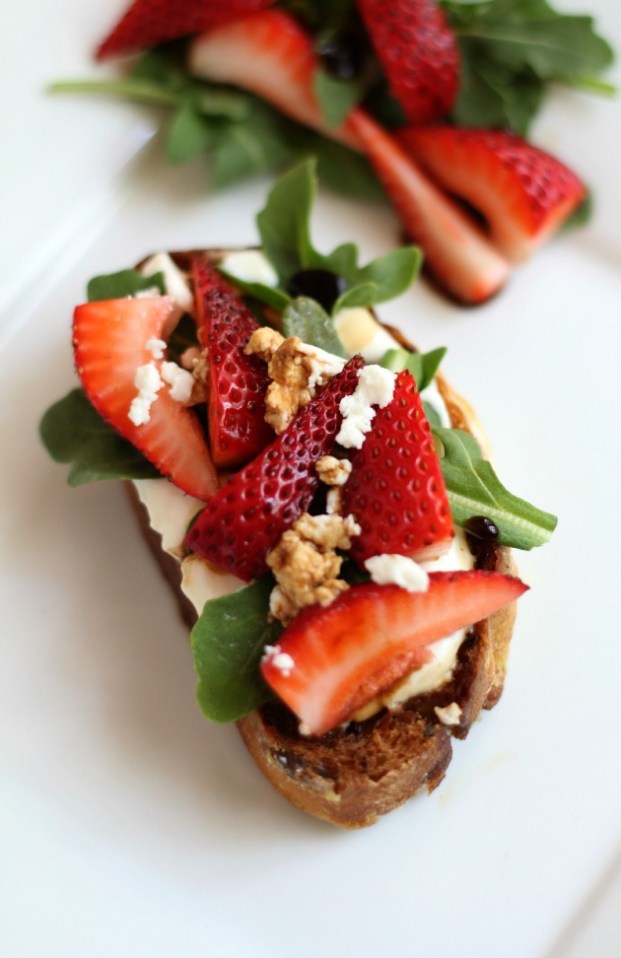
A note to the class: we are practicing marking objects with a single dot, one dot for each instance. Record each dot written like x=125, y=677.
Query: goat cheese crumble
x=376, y=387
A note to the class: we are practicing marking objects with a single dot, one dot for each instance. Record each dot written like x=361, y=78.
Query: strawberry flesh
x=248, y=515
x=147, y=23
x=371, y=636
x=271, y=55
x=110, y=340
x=237, y=383
x=457, y=254
x=419, y=53
x=396, y=489
x=523, y=192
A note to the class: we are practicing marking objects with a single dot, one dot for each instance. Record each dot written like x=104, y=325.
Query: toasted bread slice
x=358, y=772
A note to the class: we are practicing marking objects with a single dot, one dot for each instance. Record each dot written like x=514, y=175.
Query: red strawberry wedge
x=248, y=515
x=419, y=53
x=523, y=192
x=270, y=55
x=236, y=383
x=457, y=254
x=396, y=489
x=111, y=343
x=149, y=22
x=332, y=660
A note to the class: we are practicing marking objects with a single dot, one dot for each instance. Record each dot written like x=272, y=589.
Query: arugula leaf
x=305, y=318
x=188, y=135
x=433, y=416
x=492, y=96
x=127, y=282
x=474, y=489
x=511, y=50
x=339, y=168
x=283, y=223
x=384, y=278
x=72, y=431
x=270, y=295
x=228, y=642
x=259, y=142
x=423, y=366
x=284, y=227
x=337, y=97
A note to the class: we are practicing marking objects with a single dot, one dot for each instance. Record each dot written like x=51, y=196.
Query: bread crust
x=356, y=773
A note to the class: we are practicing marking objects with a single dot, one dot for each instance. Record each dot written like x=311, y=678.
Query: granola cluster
x=306, y=564
x=295, y=370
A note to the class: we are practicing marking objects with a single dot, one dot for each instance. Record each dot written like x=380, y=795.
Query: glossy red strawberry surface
x=236, y=383
x=147, y=23
x=343, y=655
x=457, y=254
x=524, y=192
x=110, y=340
x=250, y=512
x=396, y=489
x=419, y=53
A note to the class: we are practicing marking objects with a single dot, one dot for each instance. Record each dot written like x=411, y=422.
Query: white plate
x=133, y=828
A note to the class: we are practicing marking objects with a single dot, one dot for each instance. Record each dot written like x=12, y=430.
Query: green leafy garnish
x=242, y=135
x=72, y=431
x=228, y=642
x=337, y=97
x=189, y=134
x=433, y=416
x=284, y=227
x=474, y=489
x=303, y=317
x=270, y=295
x=512, y=50
x=127, y=282
x=423, y=366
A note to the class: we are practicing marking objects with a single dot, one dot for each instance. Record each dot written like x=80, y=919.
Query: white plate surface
x=132, y=828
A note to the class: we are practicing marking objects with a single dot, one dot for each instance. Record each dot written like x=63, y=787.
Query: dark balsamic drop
x=321, y=285
x=482, y=536
x=341, y=55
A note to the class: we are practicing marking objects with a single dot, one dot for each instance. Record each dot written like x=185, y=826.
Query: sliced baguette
x=356, y=773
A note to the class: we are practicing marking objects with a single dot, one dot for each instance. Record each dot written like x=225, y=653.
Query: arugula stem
x=591, y=85
x=142, y=91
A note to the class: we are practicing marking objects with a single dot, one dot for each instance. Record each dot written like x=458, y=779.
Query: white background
x=131, y=828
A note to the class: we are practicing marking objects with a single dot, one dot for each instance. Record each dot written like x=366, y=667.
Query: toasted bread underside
x=358, y=772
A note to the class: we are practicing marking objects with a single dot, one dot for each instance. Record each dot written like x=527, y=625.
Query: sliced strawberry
x=271, y=55
x=523, y=192
x=341, y=656
x=237, y=383
x=110, y=340
x=149, y=22
x=239, y=526
x=457, y=253
x=419, y=53
x=396, y=489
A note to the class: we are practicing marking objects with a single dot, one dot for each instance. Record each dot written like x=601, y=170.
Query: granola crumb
x=295, y=368
x=306, y=564
x=264, y=342
x=333, y=471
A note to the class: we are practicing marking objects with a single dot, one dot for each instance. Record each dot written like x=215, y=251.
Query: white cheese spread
x=398, y=570
x=177, y=286
x=250, y=266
